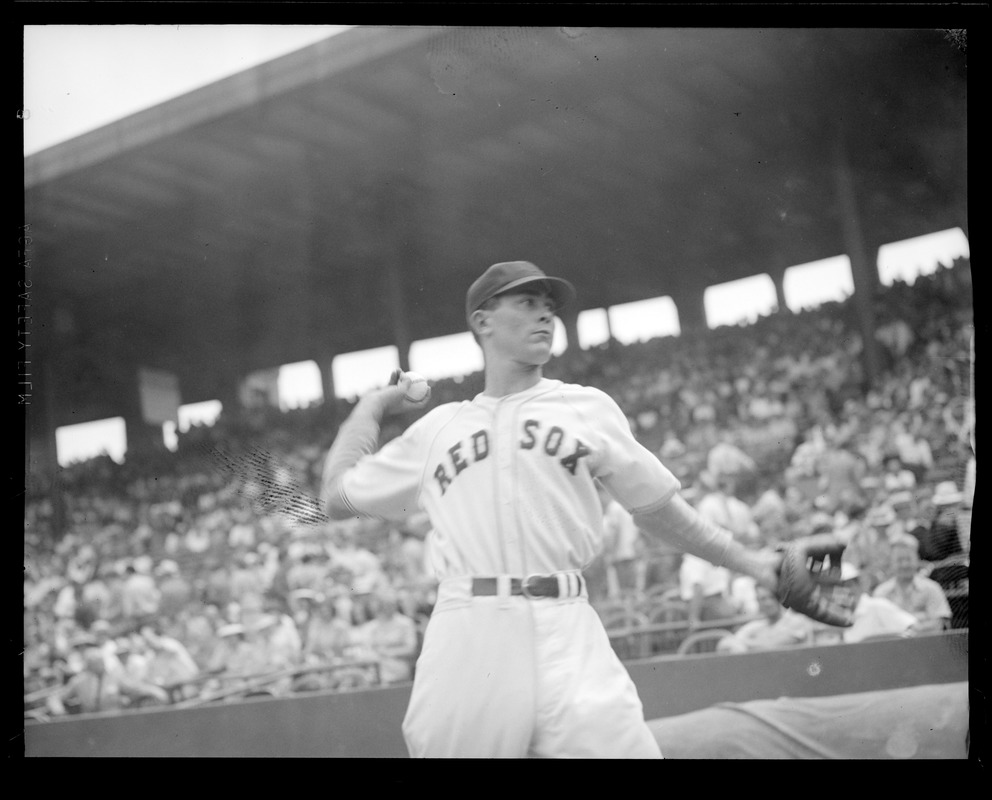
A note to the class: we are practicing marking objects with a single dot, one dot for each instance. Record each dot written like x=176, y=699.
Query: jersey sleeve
x=386, y=484
x=631, y=472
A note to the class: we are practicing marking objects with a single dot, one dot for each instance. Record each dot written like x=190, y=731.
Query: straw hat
x=946, y=494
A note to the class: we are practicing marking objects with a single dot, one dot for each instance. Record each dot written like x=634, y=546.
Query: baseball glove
x=808, y=576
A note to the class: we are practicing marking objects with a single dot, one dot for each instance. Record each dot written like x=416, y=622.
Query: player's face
x=523, y=325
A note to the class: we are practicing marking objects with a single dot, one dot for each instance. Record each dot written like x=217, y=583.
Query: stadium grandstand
x=340, y=199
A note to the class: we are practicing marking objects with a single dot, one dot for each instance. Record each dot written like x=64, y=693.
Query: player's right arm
x=357, y=437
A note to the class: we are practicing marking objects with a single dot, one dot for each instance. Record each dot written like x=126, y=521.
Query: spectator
x=406, y=551
x=623, y=549
x=105, y=643
x=277, y=648
x=284, y=640
x=391, y=639
x=248, y=651
x=94, y=690
x=896, y=477
x=279, y=579
x=911, y=591
x=246, y=579
x=242, y=533
x=913, y=449
x=840, y=472
x=897, y=336
x=361, y=564
x=218, y=588
x=307, y=573
x=201, y=637
x=868, y=544
x=778, y=627
x=720, y=506
x=770, y=514
x=82, y=565
x=96, y=594
x=64, y=606
x=140, y=595
x=671, y=448
x=197, y=540
x=174, y=590
x=328, y=636
x=358, y=567
x=727, y=461
x=874, y=617
x=941, y=539
x=135, y=656
x=170, y=663
x=232, y=653
x=706, y=590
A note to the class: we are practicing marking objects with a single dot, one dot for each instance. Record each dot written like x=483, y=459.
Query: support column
x=691, y=309
x=43, y=465
x=141, y=436
x=396, y=299
x=229, y=393
x=327, y=378
x=329, y=409
x=863, y=269
x=778, y=278
x=570, y=319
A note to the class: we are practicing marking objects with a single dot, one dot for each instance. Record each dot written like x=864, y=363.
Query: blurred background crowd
x=170, y=579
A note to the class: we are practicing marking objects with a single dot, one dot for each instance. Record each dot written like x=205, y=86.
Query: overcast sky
x=81, y=77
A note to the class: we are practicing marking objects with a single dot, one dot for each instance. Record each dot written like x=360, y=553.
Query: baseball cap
x=509, y=275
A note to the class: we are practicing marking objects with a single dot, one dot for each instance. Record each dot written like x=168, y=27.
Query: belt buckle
x=524, y=590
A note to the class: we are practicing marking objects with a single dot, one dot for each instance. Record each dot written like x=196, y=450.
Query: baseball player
x=515, y=662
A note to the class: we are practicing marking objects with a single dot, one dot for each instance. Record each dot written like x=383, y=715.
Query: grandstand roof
x=261, y=219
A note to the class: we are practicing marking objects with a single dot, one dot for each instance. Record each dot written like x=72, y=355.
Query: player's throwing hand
x=405, y=392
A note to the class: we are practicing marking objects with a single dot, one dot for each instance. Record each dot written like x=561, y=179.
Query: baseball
x=416, y=386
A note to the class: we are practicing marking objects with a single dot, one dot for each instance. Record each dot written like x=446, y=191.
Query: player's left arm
x=680, y=524
x=649, y=490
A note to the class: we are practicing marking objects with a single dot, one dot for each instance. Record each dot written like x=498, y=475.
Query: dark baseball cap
x=509, y=275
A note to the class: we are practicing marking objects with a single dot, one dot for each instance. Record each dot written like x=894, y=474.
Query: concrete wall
x=366, y=723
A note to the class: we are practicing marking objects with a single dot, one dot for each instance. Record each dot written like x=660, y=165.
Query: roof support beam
x=854, y=245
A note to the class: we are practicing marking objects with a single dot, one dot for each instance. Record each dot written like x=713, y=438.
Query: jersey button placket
x=505, y=444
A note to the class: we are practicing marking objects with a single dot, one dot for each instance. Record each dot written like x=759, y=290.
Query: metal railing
x=237, y=684
x=635, y=641
x=253, y=683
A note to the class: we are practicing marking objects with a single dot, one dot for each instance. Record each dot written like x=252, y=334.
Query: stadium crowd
x=176, y=580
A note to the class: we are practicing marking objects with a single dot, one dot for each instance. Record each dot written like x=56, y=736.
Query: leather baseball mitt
x=808, y=576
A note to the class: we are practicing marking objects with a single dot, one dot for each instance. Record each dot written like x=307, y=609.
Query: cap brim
x=561, y=291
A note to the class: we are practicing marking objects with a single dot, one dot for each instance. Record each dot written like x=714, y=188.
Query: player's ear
x=479, y=321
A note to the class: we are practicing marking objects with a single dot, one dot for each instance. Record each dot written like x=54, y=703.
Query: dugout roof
x=327, y=200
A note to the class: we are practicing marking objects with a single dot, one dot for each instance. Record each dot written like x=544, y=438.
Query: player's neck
x=509, y=378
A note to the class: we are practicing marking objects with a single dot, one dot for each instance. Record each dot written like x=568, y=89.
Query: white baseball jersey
x=508, y=482
x=508, y=485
